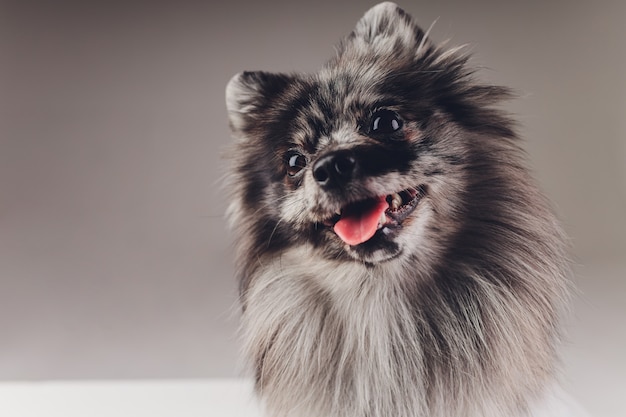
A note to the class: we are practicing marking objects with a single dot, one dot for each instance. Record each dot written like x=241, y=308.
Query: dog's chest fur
x=352, y=342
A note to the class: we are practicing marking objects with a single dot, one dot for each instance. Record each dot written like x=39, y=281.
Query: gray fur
x=456, y=315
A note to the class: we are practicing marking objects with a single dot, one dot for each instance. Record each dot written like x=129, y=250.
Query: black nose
x=334, y=169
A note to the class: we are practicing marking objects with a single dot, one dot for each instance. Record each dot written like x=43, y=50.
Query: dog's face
x=369, y=158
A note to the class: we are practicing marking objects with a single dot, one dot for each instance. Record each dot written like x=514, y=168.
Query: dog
x=394, y=255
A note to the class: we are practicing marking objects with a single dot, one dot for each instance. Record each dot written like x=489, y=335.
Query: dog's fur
x=455, y=310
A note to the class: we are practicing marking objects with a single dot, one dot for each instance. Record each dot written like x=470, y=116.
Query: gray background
x=114, y=257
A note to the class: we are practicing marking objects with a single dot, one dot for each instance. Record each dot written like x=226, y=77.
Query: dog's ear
x=384, y=28
x=249, y=95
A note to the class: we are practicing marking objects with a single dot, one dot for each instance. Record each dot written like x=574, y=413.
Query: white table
x=169, y=398
x=176, y=398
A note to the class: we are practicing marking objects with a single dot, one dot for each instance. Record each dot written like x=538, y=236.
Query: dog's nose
x=334, y=169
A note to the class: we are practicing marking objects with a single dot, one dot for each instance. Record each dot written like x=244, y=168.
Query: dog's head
x=373, y=157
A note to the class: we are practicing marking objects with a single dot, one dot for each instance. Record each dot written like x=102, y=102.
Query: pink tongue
x=359, y=221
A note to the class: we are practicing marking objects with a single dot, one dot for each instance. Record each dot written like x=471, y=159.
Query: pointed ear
x=249, y=94
x=385, y=27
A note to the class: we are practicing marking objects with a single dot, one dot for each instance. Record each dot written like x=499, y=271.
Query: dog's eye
x=385, y=121
x=295, y=162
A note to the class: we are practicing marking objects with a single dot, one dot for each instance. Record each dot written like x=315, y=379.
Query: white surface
x=199, y=398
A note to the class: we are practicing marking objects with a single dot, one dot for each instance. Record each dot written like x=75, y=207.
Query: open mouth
x=358, y=222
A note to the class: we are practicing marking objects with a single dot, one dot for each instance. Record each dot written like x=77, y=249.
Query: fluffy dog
x=395, y=257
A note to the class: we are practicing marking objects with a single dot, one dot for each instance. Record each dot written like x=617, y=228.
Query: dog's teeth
x=396, y=201
x=382, y=220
